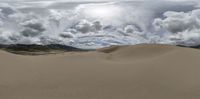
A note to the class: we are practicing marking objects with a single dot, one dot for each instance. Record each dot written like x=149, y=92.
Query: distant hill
x=39, y=49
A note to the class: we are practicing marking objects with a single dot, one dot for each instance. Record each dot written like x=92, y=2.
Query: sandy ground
x=128, y=72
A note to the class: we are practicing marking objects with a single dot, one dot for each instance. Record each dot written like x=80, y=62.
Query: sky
x=93, y=0
x=94, y=25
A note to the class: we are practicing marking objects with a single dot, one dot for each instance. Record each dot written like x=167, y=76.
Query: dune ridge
x=126, y=72
x=138, y=51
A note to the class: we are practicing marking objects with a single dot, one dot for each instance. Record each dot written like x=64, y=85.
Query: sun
x=101, y=11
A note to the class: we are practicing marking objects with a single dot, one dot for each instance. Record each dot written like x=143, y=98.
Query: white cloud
x=185, y=27
x=99, y=24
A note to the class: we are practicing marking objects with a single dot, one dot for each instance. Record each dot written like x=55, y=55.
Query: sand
x=126, y=72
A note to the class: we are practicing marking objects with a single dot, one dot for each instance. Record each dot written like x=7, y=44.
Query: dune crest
x=138, y=51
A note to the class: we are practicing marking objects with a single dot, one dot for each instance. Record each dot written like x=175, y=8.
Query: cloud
x=185, y=27
x=94, y=25
x=85, y=26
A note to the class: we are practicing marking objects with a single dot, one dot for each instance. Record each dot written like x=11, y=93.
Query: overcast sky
x=95, y=0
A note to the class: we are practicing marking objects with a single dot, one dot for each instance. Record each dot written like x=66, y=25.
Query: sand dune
x=127, y=72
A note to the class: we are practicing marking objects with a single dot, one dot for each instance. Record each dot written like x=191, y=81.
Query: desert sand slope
x=128, y=72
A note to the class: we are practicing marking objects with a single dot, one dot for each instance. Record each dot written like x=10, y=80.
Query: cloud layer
x=94, y=25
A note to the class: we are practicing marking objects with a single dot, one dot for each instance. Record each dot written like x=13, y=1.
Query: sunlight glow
x=102, y=11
